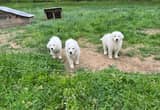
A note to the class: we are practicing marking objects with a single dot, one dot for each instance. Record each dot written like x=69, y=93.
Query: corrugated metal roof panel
x=17, y=12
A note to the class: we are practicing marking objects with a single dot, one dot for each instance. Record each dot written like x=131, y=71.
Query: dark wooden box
x=53, y=12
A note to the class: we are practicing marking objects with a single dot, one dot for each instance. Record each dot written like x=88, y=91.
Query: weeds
x=33, y=80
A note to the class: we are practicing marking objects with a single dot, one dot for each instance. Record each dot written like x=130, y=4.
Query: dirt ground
x=97, y=61
x=7, y=39
x=151, y=31
x=92, y=60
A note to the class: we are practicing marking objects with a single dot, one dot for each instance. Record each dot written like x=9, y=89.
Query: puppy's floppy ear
x=76, y=50
x=101, y=37
x=112, y=36
x=48, y=45
x=122, y=36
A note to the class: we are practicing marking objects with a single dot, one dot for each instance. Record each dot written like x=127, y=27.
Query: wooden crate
x=53, y=12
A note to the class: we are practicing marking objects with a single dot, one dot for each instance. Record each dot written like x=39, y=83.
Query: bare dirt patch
x=151, y=31
x=97, y=61
x=14, y=45
x=93, y=60
x=4, y=38
x=7, y=38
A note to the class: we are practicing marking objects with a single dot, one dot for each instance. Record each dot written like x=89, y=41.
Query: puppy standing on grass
x=55, y=47
x=72, y=50
x=113, y=43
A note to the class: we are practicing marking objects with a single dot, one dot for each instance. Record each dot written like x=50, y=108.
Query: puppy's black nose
x=70, y=52
x=116, y=40
x=51, y=48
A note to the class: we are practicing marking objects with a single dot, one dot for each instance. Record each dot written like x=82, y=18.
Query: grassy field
x=31, y=80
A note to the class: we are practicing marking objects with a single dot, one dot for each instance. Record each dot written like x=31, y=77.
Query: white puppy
x=72, y=50
x=113, y=43
x=55, y=47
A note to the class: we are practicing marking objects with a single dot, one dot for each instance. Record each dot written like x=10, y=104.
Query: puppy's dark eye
x=69, y=48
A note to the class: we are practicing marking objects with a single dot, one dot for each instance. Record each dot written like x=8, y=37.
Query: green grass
x=157, y=57
x=91, y=21
x=130, y=53
x=31, y=80
x=108, y=89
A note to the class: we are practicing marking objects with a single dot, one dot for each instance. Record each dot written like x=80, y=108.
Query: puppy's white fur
x=55, y=47
x=72, y=50
x=113, y=43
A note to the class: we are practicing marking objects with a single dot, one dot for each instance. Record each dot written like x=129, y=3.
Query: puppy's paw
x=116, y=56
x=60, y=57
x=77, y=62
x=72, y=66
x=53, y=56
x=110, y=57
x=105, y=53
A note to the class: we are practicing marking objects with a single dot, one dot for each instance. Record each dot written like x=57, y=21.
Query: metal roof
x=17, y=12
x=53, y=8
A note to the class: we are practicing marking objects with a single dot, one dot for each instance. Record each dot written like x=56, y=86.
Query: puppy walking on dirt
x=112, y=43
x=55, y=47
x=72, y=50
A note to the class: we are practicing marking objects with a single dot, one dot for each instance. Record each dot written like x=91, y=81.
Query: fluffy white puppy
x=113, y=43
x=55, y=47
x=72, y=50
